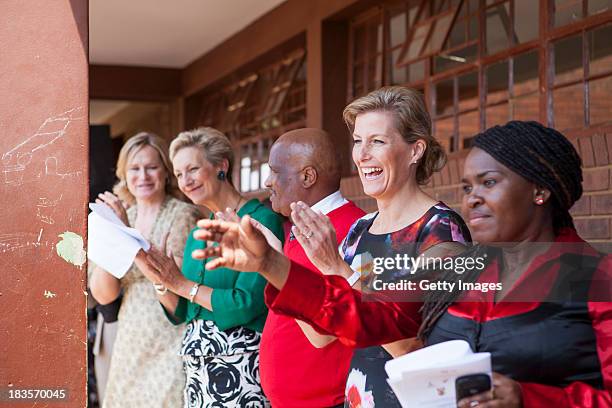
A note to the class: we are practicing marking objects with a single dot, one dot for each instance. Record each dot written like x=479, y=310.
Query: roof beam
x=134, y=83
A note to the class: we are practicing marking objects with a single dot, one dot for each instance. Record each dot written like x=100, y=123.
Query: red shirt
x=331, y=306
x=294, y=373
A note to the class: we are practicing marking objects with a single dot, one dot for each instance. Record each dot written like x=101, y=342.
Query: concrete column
x=43, y=197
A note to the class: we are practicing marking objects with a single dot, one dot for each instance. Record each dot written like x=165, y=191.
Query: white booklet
x=111, y=244
x=426, y=378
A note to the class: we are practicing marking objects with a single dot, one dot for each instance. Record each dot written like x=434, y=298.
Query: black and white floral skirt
x=223, y=382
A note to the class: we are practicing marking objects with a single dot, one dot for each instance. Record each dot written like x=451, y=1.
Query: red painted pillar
x=43, y=197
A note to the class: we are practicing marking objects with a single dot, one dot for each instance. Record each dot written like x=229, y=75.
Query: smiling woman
x=224, y=311
x=395, y=154
x=144, y=353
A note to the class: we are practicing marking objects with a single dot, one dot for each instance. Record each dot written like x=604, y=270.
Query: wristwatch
x=193, y=292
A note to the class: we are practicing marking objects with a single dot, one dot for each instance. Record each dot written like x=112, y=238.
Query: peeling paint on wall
x=70, y=248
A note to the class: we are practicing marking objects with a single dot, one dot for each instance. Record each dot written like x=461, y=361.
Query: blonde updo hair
x=214, y=144
x=411, y=120
x=131, y=146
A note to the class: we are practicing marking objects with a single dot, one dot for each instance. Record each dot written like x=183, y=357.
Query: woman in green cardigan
x=224, y=309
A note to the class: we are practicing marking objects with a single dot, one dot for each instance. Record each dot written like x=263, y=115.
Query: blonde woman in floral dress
x=145, y=368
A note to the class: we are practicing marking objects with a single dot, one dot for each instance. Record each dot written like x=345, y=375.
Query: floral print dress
x=367, y=381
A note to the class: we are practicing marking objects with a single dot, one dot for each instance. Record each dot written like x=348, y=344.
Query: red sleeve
x=331, y=306
x=578, y=394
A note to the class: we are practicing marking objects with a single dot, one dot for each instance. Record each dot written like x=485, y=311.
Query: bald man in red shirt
x=295, y=374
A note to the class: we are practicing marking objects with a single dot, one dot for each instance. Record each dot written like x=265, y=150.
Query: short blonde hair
x=214, y=144
x=411, y=120
x=131, y=146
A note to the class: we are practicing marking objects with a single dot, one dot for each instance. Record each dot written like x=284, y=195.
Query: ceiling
x=164, y=33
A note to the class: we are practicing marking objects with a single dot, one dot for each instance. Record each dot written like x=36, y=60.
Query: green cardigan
x=237, y=297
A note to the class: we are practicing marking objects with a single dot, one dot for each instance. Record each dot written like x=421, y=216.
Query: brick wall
x=592, y=213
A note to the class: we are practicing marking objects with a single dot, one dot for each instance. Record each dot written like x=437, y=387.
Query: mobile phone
x=468, y=385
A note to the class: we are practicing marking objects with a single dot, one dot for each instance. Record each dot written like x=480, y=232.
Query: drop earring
x=221, y=175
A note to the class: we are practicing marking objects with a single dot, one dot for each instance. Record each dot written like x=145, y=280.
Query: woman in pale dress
x=145, y=369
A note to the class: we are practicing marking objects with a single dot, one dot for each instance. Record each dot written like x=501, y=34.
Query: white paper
x=111, y=244
x=426, y=378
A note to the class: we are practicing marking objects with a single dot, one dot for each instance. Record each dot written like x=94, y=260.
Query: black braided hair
x=540, y=155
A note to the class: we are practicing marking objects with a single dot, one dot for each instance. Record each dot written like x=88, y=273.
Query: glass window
x=526, y=107
x=600, y=50
x=445, y=131
x=416, y=71
x=397, y=29
x=469, y=126
x=468, y=91
x=265, y=172
x=245, y=173
x=444, y=97
x=497, y=114
x=599, y=6
x=567, y=11
x=600, y=106
x=526, y=73
x=498, y=28
x=568, y=105
x=497, y=82
x=398, y=75
x=526, y=20
x=255, y=179
x=455, y=58
x=568, y=59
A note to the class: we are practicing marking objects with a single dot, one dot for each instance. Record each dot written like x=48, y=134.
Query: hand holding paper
x=426, y=378
x=111, y=244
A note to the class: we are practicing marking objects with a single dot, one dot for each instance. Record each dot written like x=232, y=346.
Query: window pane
x=526, y=73
x=567, y=11
x=358, y=71
x=458, y=33
x=526, y=20
x=498, y=25
x=265, y=172
x=360, y=42
x=255, y=180
x=416, y=71
x=439, y=32
x=468, y=91
x=526, y=107
x=600, y=109
x=375, y=38
x=469, y=126
x=568, y=59
x=397, y=29
x=398, y=75
x=375, y=73
x=568, y=104
x=445, y=130
x=599, y=6
x=417, y=41
x=497, y=82
x=473, y=28
x=444, y=97
x=497, y=115
x=600, y=50
x=459, y=57
x=245, y=173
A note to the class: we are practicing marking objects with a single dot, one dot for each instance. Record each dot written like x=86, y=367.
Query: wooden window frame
x=542, y=44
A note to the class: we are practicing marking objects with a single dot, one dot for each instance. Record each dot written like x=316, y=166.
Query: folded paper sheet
x=426, y=378
x=111, y=244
